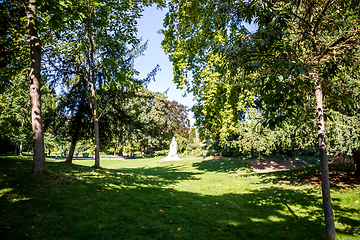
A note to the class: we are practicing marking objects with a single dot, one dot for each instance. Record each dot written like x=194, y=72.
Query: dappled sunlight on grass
x=149, y=199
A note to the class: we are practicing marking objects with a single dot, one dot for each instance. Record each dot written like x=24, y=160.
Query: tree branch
x=321, y=16
x=334, y=44
x=58, y=68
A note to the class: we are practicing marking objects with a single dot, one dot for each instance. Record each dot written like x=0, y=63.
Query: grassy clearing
x=151, y=199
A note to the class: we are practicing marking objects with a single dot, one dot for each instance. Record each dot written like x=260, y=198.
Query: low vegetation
x=195, y=198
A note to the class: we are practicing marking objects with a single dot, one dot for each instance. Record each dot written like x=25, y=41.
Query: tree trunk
x=325, y=184
x=356, y=157
x=35, y=96
x=142, y=149
x=340, y=158
x=75, y=135
x=93, y=97
x=96, y=124
x=97, y=155
x=21, y=147
x=120, y=151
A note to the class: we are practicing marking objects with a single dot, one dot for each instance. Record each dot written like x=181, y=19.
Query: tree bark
x=356, y=157
x=96, y=124
x=142, y=149
x=97, y=155
x=21, y=148
x=325, y=183
x=75, y=137
x=35, y=95
x=120, y=151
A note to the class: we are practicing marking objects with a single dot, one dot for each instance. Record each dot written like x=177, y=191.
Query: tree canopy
x=298, y=51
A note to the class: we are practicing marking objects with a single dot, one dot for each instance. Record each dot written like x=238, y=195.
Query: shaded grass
x=151, y=199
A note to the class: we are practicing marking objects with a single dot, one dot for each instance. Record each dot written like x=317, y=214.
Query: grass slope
x=151, y=199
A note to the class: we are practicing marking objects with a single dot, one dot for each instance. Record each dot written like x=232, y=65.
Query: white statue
x=173, y=152
x=173, y=148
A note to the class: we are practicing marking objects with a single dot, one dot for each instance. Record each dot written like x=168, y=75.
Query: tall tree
x=296, y=50
x=35, y=95
x=98, y=46
x=148, y=119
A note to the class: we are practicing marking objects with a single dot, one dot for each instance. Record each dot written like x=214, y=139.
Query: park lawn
x=153, y=199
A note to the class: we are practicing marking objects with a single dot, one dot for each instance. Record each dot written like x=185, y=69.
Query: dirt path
x=274, y=165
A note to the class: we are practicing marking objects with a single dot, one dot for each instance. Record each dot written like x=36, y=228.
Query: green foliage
x=182, y=143
x=150, y=120
x=227, y=152
x=271, y=69
x=192, y=135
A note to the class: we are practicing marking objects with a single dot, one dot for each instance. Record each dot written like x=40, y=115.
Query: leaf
x=24, y=19
x=286, y=228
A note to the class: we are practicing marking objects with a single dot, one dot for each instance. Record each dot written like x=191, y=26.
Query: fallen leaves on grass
x=286, y=228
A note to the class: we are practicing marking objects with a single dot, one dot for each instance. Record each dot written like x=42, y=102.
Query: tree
x=297, y=50
x=35, y=95
x=13, y=37
x=15, y=121
x=192, y=135
x=98, y=46
x=147, y=119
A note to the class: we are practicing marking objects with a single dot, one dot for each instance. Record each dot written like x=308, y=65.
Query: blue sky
x=148, y=26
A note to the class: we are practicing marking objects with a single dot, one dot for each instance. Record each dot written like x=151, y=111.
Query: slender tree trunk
x=35, y=96
x=93, y=97
x=21, y=148
x=96, y=124
x=97, y=155
x=325, y=184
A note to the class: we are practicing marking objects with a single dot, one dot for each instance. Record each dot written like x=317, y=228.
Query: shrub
x=182, y=143
x=161, y=153
x=226, y=152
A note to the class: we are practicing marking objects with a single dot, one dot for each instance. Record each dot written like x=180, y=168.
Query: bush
x=182, y=143
x=161, y=153
x=226, y=152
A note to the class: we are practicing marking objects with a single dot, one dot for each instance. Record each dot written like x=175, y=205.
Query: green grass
x=151, y=199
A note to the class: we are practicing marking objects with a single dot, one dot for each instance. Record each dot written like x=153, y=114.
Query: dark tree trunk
x=120, y=151
x=75, y=137
x=142, y=149
x=356, y=157
x=35, y=96
x=325, y=183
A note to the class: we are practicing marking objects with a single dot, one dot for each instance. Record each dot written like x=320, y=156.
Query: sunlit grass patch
x=153, y=199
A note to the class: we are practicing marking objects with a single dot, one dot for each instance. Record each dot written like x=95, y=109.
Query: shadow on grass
x=76, y=202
